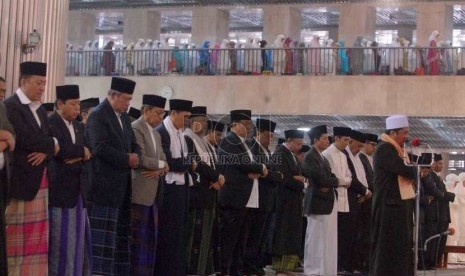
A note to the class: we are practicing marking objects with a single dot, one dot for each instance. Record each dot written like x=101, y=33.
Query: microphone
x=450, y=231
x=416, y=142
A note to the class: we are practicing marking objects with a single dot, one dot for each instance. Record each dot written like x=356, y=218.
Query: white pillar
x=434, y=16
x=356, y=20
x=81, y=27
x=209, y=23
x=140, y=23
x=281, y=20
x=18, y=18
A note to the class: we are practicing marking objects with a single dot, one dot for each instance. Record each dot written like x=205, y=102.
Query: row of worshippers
x=155, y=197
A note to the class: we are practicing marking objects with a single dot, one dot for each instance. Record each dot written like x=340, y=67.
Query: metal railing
x=257, y=61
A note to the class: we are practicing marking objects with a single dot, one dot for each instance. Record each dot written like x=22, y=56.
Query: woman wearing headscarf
x=215, y=59
x=278, y=54
x=298, y=57
x=314, y=56
x=368, y=64
x=255, y=57
x=376, y=55
x=96, y=59
x=248, y=56
x=224, y=57
x=130, y=59
x=87, y=59
x=148, y=57
x=108, y=60
x=451, y=183
x=205, y=59
x=289, y=57
x=343, y=58
x=120, y=61
x=433, y=57
x=232, y=57
x=139, y=62
x=357, y=57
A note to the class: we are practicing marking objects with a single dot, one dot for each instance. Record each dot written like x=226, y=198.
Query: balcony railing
x=259, y=61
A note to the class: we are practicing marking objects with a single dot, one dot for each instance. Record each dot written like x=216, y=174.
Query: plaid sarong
x=144, y=225
x=70, y=244
x=110, y=232
x=199, y=242
x=27, y=234
x=285, y=262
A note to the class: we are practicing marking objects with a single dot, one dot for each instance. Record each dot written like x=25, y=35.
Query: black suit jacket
x=200, y=194
x=110, y=145
x=438, y=210
x=356, y=188
x=30, y=137
x=267, y=185
x=318, y=170
x=235, y=164
x=65, y=180
x=368, y=170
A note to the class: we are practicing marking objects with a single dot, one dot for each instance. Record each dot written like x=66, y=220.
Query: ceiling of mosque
x=445, y=133
x=251, y=19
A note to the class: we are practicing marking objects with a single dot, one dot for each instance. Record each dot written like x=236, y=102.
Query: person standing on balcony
x=433, y=58
x=108, y=60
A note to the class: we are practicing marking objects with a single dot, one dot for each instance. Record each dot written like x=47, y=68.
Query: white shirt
x=359, y=169
x=338, y=161
x=2, y=160
x=33, y=106
x=253, y=199
x=70, y=127
x=161, y=163
x=118, y=115
x=177, y=146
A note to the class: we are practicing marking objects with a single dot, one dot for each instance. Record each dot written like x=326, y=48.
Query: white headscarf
x=279, y=41
x=88, y=45
x=433, y=35
x=224, y=44
x=140, y=44
x=315, y=42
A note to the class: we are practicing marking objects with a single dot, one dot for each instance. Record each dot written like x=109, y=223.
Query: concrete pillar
x=140, y=23
x=434, y=16
x=209, y=23
x=81, y=27
x=281, y=20
x=406, y=32
x=333, y=33
x=18, y=18
x=356, y=20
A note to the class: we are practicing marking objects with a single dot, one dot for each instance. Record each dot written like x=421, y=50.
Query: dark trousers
x=266, y=248
x=3, y=200
x=234, y=232
x=256, y=221
x=172, y=221
x=347, y=237
x=435, y=247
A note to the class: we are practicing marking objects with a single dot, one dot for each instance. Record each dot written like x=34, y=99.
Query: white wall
x=349, y=95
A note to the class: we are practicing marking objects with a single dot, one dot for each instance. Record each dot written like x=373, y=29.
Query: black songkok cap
x=89, y=103
x=67, y=92
x=33, y=68
x=265, y=125
x=199, y=111
x=437, y=157
x=123, y=85
x=425, y=159
x=153, y=100
x=317, y=131
x=240, y=114
x=216, y=126
x=341, y=131
x=281, y=141
x=134, y=113
x=293, y=133
x=371, y=137
x=180, y=105
x=48, y=106
x=304, y=149
x=358, y=136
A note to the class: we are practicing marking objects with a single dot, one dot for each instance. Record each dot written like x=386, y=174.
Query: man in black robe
x=437, y=213
x=267, y=188
x=289, y=195
x=392, y=216
x=114, y=153
x=240, y=192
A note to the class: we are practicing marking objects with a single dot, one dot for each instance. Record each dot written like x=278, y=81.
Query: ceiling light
x=304, y=129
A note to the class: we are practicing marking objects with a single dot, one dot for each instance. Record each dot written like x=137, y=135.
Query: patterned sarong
x=70, y=244
x=144, y=225
x=27, y=234
x=110, y=232
x=199, y=242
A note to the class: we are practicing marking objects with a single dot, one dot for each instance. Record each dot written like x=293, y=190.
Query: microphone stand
x=416, y=229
